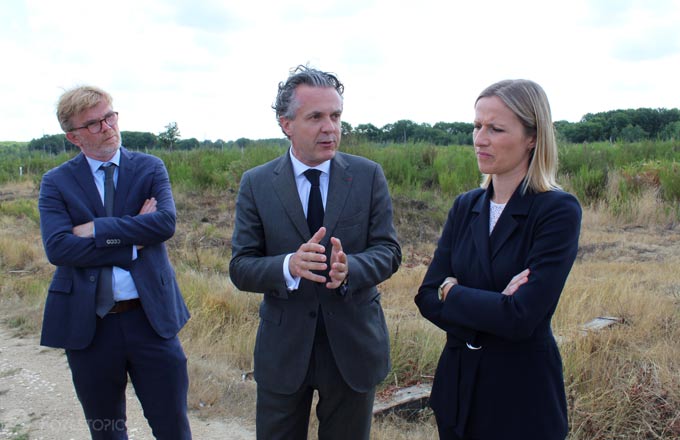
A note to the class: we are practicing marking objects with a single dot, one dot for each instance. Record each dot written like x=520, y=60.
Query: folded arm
x=69, y=244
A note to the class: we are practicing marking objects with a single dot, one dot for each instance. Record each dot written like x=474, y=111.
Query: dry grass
x=622, y=382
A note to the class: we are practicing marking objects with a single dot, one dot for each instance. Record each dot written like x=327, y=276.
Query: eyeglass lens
x=110, y=120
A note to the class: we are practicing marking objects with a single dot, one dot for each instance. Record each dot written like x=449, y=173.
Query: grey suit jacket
x=270, y=223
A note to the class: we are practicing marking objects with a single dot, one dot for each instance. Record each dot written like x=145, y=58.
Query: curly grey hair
x=286, y=104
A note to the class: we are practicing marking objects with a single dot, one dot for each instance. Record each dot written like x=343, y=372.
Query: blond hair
x=528, y=101
x=76, y=100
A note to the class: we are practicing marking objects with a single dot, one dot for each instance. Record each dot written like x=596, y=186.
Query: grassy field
x=622, y=382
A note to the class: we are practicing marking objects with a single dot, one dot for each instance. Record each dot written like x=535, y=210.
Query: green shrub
x=23, y=208
x=669, y=178
x=456, y=170
x=589, y=184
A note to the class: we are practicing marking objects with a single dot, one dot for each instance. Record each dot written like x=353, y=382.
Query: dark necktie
x=105, y=286
x=315, y=205
x=315, y=221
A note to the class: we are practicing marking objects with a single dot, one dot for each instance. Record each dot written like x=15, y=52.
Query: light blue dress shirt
x=123, y=285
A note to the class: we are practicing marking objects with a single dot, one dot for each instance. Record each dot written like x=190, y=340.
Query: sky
x=213, y=66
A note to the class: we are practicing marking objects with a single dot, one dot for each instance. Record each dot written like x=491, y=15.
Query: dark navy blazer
x=511, y=388
x=69, y=197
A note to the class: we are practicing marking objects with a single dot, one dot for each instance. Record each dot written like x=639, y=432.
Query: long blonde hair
x=528, y=101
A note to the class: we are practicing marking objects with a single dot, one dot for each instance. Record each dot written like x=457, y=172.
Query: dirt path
x=37, y=400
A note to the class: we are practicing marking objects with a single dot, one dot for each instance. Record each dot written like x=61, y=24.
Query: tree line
x=617, y=125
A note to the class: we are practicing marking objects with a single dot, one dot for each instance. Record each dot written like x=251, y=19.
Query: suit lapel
x=80, y=169
x=285, y=188
x=480, y=232
x=339, y=187
x=518, y=205
x=127, y=167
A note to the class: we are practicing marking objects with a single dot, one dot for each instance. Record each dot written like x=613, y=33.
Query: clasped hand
x=311, y=257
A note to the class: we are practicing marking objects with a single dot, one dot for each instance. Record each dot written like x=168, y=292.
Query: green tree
x=139, y=140
x=346, y=128
x=54, y=144
x=188, y=144
x=671, y=131
x=169, y=138
x=243, y=142
x=633, y=133
x=368, y=131
x=400, y=131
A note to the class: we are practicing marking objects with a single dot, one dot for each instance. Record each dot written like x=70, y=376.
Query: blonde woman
x=496, y=278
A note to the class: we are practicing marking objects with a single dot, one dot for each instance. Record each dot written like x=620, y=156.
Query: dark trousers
x=342, y=412
x=125, y=343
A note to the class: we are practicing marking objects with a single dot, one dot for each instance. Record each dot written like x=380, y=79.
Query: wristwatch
x=440, y=291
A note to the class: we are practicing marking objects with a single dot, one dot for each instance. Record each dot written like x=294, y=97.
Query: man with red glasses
x=113, y=304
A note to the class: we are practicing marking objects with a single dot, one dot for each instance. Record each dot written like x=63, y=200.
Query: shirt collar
x=299, y=167
x=95, y=164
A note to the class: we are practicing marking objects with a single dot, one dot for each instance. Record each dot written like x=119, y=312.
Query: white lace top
x=495, y=210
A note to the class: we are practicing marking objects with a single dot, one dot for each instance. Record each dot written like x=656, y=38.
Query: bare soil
x=37, y=399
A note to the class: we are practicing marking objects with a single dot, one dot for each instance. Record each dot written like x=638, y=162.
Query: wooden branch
x=405, y=402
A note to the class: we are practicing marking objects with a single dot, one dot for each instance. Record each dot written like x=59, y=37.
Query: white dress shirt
x=303, y=188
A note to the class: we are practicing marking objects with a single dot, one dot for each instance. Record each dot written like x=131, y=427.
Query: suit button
x=92, y=278
x=312, y=314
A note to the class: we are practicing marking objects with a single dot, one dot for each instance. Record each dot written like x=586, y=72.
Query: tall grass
x=421, y=171
x=214, y=168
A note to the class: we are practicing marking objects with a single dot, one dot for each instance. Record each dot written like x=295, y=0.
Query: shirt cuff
x=292, y=283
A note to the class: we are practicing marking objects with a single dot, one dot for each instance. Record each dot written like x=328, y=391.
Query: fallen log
x=405, y=402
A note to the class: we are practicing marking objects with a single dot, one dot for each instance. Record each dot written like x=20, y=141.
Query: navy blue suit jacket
x=511, y=388
x=69, y=197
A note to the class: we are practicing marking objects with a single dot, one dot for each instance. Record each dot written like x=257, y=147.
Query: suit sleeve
x=65, y=249
x=427, y=298
x=250, y=268
x=550, y=258
x=146, y=229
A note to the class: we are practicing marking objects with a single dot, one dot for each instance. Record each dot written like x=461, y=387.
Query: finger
x=337, y=250
x=336, y=277
x=149, y=206
x=335, y=280
x=313, y=276
x=338, y=258
x=302, y=263
x=306, y=258
x=337, y=244
x=520, y=278
x=339, y=266
x=318, y=236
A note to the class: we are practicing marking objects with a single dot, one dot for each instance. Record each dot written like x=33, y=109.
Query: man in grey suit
x=321, y=323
